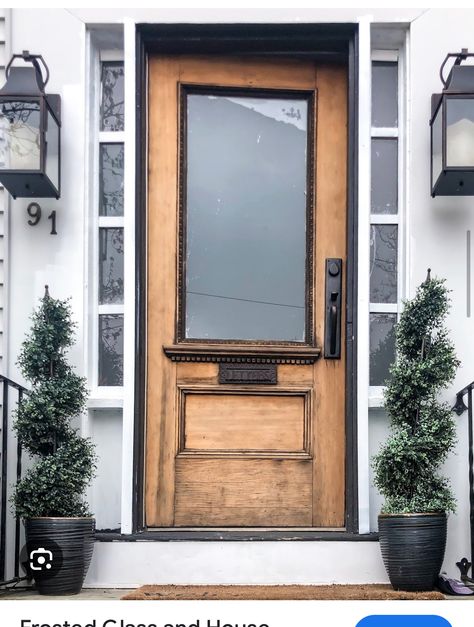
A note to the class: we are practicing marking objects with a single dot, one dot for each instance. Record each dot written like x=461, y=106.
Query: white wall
x=437, y=234
x=437, y=228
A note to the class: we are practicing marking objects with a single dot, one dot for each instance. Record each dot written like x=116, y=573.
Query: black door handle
x=333, y=325
x=332, y=332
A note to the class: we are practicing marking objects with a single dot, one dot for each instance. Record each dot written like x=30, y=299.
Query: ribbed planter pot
x=413, y=548
x=70, y=542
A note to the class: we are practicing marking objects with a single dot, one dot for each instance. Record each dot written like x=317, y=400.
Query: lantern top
x=461, y=77
x=460, y=80
x=25, y=81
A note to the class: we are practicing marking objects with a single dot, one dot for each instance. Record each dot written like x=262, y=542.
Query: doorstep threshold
x=227, y=534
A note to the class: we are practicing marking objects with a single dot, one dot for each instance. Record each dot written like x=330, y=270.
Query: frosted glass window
x=110, y=266
x=112, y=99
x=246, y=212
x=383, y=263
x=384, y=94
x=111, y=349
x=384, y=192
x=382, y=346
x=111, y=180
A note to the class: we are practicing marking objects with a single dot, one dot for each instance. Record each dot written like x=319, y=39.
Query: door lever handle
x=332, y=332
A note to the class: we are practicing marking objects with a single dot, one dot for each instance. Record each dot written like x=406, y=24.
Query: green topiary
x=55, y=485
x=422, y=428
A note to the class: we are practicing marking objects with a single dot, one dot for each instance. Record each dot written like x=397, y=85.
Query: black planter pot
x=413, y=548
x=59, y=552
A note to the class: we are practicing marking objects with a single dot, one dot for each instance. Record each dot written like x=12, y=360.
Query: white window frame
x=107, y=397
x=398, y=56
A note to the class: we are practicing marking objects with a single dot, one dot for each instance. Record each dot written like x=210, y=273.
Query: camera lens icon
x=41, y=559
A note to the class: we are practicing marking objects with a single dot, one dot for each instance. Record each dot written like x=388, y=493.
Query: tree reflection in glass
x=20, y=135
x=110, y=350
x=112, y=101
x=111, y=266
x=382, y=347
x=111, y=180
x=383, y=263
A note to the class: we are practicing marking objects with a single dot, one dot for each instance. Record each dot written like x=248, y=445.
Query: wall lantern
x=30, y=123
x=452, y=130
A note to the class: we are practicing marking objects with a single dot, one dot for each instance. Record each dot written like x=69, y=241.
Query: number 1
x=52, y=217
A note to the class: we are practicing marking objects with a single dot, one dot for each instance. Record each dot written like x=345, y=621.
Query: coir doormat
x=278, y=593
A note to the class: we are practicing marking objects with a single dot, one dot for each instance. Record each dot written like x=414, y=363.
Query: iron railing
x=460, y=407
x=11, y=394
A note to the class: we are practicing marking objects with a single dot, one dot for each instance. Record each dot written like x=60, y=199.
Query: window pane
x=110, y=266
x=384, y=94
x=383, y=263
x=382, y=346
x=246, y=218
x=437, y=143
x=111, y=350
x=112, y=102
x=384, y=176
x=20, y=126
x=111, y=180
x=52, y=150
x=460, y=132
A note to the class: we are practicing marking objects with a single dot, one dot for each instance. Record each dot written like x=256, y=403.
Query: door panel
x=244, y=422
x=243, y=454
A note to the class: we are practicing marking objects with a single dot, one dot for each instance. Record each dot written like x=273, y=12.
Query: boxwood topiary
x=64, y=461
x=423, y=430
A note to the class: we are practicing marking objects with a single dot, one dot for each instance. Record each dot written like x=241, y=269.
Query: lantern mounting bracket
x=35, y=60
x=458, y=57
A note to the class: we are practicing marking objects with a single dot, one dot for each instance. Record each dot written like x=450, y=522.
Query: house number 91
x=34, y=211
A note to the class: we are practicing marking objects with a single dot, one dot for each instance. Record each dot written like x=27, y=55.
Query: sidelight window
x=385, y=212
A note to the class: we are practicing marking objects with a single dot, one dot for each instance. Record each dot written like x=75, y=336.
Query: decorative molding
x=310, y=96
x=304, y=392
x=243, y=354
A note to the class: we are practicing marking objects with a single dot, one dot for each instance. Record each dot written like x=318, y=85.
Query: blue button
x=409, y=620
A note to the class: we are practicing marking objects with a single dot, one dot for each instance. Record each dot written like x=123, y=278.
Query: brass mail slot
x=265, y=374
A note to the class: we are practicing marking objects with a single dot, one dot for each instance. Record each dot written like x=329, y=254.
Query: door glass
x=246, y=192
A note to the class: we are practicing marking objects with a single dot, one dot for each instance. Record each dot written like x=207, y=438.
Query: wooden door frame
x=323, y=42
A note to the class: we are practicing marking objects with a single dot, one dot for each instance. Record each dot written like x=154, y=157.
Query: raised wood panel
x=249, y=493
x=233, y=422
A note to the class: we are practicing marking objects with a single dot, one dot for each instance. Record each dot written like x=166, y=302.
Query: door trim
x=328, y=42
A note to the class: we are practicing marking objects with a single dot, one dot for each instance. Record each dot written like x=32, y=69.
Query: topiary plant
x=65, y=462
x=422, y=428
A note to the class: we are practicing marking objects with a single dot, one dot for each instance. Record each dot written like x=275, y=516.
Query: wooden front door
x=246, y=203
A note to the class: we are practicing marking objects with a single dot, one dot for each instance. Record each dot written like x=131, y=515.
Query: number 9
x=34, y=211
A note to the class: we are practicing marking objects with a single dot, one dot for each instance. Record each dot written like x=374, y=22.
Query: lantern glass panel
x=52, y=150
x=460, y=132
x=437, y=145
x=20, y=138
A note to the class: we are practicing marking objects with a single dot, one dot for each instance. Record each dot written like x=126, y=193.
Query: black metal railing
x=11, y=393
x=460, y=407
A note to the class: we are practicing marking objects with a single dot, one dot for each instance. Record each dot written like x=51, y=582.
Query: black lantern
x=452, y=130
x=30, y=123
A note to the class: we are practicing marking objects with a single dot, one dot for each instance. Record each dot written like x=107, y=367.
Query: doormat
x=372, y=592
